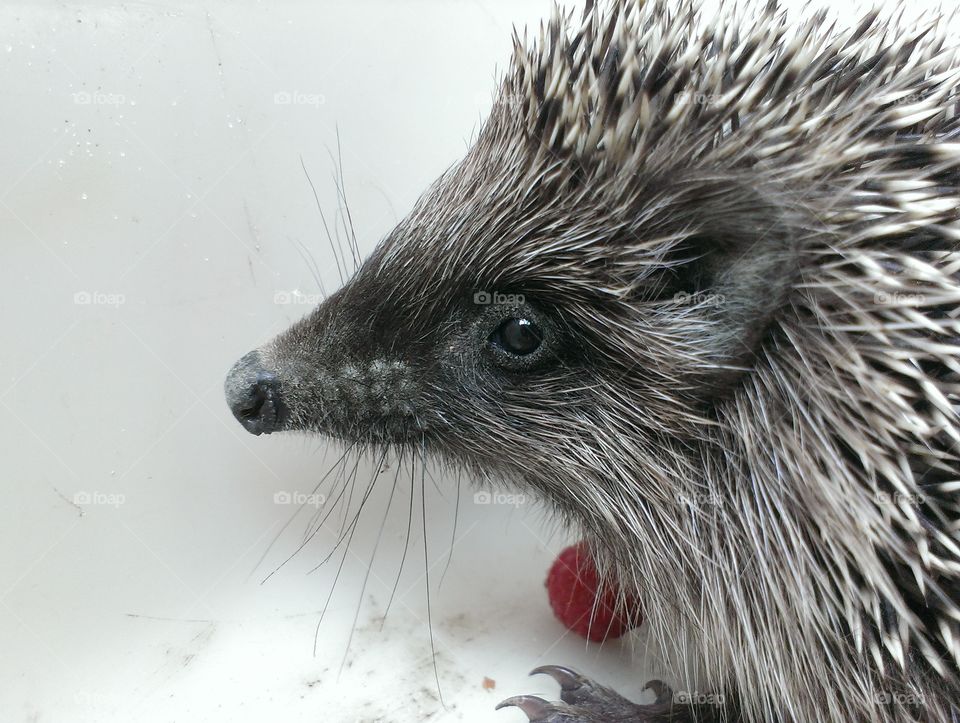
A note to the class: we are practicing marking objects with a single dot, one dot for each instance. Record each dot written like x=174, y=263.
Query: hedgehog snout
x=377, y=396
x=253, y=395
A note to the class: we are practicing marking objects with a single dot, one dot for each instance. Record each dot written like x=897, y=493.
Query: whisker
x=406, y=544
x=311, y=535
x=342, y=190
x=453, y=536
x=323, y=219
x=376, y=546
x=341, y=219
x=426, y=568
x=311, y=264
x=346, y=508
x=436, y=485
x=333, y=588
x=297, y=512
x=356, y=517
x=320, y=516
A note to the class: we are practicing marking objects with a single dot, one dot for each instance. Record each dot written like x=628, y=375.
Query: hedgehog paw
x=585, y=701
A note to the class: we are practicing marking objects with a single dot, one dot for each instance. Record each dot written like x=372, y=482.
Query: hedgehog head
x=596, y=250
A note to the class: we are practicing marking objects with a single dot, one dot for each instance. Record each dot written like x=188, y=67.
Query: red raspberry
x=572, y=588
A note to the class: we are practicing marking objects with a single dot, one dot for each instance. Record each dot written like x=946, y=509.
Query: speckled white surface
x=152, y=206
x=153, y=213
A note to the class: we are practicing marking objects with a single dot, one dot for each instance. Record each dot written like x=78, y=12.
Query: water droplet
x=83, y=196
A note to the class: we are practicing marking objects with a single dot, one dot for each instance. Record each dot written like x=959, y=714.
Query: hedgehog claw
x=585, y=701
x=567, y=678
x=577, y=689
x=536, y=709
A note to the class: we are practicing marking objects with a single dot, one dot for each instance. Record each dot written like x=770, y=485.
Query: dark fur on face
x=740, y=337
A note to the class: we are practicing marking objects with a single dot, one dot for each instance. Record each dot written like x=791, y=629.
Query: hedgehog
x=696, y=285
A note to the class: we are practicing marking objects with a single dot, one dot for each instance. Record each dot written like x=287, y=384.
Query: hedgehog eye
x=517, y=336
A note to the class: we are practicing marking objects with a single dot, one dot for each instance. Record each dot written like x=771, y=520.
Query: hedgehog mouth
x=264, y=411
x=364, y=430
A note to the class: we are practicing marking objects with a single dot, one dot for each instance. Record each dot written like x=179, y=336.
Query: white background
x=148, y=162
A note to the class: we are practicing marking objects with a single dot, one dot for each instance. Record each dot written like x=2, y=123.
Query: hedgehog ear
x=737, y=269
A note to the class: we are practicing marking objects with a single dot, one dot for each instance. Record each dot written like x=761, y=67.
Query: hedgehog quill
x=722, y=260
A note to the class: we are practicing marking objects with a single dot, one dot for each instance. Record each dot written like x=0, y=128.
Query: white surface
x=146, y=162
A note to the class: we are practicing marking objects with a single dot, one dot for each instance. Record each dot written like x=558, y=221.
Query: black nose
x=253, y=394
